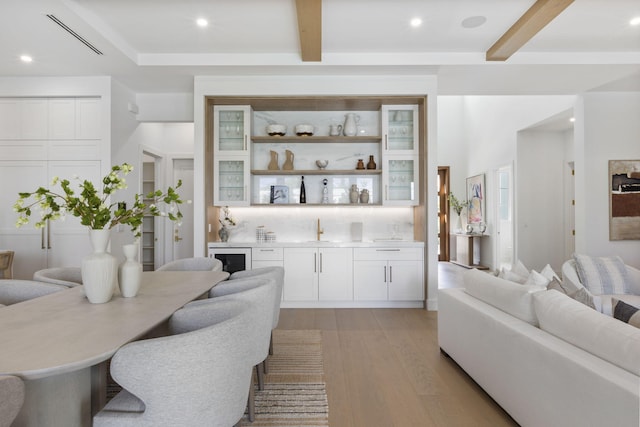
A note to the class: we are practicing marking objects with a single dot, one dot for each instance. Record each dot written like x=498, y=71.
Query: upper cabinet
x=400, y=129
x=232, y=129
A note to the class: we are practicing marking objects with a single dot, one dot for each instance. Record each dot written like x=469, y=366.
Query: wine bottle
x=303, y=194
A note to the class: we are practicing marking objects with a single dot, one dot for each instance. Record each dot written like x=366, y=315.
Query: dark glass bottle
x=303, y=194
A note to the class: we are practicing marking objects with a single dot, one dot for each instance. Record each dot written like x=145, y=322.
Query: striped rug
x=294, y=393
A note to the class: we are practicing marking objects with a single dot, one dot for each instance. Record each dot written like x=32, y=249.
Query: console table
x=468, y=250
x=57, y=343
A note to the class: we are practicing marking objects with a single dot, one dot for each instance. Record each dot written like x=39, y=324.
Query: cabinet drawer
x=387, y=253
x=266, y=254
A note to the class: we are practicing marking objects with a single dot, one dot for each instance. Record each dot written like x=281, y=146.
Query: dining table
x=60, y=344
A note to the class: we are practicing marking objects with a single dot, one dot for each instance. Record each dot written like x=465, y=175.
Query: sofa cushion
x=600, y=335
x=602, y=275
x=581, y=295
x=505, y=295
x=625, y=312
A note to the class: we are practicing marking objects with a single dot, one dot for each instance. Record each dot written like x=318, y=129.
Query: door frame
x=444, y=213
x=512, y=205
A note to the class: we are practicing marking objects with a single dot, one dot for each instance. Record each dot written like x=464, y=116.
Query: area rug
x=294, y=392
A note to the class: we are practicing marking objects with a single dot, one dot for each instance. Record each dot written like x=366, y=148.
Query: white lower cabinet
x=266, y=257
x=318, y=274
x=388, y=274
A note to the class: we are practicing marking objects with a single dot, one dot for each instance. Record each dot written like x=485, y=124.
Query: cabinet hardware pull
x=315, y=263
x=320, y=262
x=244, y=194
x=266, y=250
x=42, y=238
x=385, y=274
x=386, y=143
x=387, y=250
x=245, y=142
x=390, y=274
x=386, y=192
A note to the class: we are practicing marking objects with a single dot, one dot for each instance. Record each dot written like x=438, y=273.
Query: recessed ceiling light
x=473, y=21
x=26, y=58
x=416, y=22
x=635, y=21
x=202, y=22
x=572, y=119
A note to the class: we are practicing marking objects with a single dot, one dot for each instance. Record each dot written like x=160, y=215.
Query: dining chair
x=65, y=276
x=13, y=291
x=6, y=264
x=277, y=273
x=198, y=377
x=192, y=264
x=261, y=292
x=11, y=398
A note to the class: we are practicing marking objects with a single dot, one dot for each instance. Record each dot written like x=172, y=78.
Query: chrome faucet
x=319, y=230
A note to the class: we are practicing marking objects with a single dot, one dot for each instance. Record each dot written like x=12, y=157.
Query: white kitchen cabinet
x=267, y=257
x=318, y=274
x=388, y=274
x=232, y=130
x=231, y=176
x=401, y=180
x=400, y=129
x=23, y=119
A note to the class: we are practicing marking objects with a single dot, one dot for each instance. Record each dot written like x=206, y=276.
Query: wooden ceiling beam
x=310, y=29
x=536, y=18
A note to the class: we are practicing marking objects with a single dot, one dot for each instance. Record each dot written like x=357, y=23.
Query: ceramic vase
x=288, y=163
x=130, y=272
x=99, y=269
x=354, y=196
x=364, y=196
x=350, y=127
x=371, y=164
x=223, y=233
x=459, y=225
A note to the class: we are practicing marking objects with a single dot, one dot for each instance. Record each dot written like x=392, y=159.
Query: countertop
x=321, y=243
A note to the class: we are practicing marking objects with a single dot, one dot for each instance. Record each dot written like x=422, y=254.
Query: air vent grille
x=74, y=34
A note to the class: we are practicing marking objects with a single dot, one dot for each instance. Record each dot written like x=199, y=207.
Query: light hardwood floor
x=383, y=367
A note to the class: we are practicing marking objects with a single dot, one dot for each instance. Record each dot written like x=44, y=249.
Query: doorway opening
x=504, y=224
x=443, y=213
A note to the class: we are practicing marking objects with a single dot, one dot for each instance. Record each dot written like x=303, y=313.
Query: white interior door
x=504, y=218
x=183, y=235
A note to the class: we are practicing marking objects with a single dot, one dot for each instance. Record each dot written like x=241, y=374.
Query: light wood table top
x=64, y=332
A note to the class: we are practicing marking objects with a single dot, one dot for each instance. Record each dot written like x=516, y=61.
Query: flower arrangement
x=227, y=220
x=91, y=205
x=457, y=205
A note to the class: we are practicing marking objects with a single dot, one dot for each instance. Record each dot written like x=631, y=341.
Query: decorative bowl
x=279, y=130
x=304, y=130
x=322, y=163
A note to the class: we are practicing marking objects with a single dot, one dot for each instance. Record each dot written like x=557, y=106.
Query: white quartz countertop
x=322, y=243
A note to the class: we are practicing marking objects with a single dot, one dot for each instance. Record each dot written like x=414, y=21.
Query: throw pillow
x=626, y=312
x=548, y=272
x=536, y=278
x=513, y=277
x=602, y=275
x=520, y=269
x=582, y=295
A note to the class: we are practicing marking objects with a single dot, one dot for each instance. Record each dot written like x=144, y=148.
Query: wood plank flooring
x=383, y=367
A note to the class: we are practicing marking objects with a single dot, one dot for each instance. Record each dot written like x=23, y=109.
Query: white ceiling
x=154, y=45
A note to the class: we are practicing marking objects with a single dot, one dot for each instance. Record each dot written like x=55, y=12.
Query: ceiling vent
x=74, y=34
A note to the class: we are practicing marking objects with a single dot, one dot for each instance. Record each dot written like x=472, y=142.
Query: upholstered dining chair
x=277, y=273
x=11, y=398
x=6, y=264
x=261, y=291
x=65, y=276
x=199, y=377
x=13, y=291
x=192, y=264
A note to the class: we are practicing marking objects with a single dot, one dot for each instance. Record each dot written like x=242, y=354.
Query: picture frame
x=476, y=199
x=624, y=199
x=279, y=194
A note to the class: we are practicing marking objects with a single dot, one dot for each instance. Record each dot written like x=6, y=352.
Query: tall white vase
x=130, y=272
x=99, y=269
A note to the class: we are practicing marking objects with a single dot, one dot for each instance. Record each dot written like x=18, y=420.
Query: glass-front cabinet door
x=231, y=129
x=231, y=181
x=400, y=129
x=400, y=175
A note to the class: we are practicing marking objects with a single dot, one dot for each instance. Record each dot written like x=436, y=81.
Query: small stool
x=6, y=264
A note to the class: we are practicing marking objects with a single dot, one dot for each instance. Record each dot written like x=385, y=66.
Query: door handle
x=390, y=274
x=385, y=274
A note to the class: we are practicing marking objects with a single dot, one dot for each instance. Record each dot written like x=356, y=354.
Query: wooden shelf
x=316, y=139
x=297, y=205
x=318, y=172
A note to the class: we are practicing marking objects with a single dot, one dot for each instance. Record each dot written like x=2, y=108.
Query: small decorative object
x=350, y=127
x=288, y=163
x=457, y=206
x=335, y=130
x=303, y=193
x=360, y=164
x=371, y=164
x=279, y=194
x=325, y=192
x=475, y=199
x=273, y=164
x=354, y=196
x=226, y=223
x=276, y=130
x=482, y=227
x=260, y=234
x=130, y=272
x=99, y=269
x=304, y=130
x=364, y=196
x=469, y=228
x=322, y=163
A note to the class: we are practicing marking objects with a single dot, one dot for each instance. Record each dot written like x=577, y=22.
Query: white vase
x=130, y=272
x=458, y=225
x=99, y=269
x=350, y=127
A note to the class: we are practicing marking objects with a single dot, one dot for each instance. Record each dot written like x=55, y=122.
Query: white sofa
x=538, y=377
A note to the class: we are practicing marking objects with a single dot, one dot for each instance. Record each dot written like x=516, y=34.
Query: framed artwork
x=475, y=199
x=624, y=199
x=279, y=194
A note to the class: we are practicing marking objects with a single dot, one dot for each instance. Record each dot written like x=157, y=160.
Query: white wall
x=607, y=128
x=165, y=107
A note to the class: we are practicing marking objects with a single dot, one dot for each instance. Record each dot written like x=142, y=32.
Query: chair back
x=6, y=264
x=14, y=291
x=11, y=398
x=65, y=276
x=192, y=264
x=196, y=378
x=275, y=272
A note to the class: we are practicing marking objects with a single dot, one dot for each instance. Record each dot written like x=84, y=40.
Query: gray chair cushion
x=11, y=398
x=65, y=276
x=13, y=291
x=275, y=272
x=192, y=264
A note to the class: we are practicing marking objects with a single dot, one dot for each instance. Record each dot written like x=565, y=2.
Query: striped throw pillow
x=602, y=275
